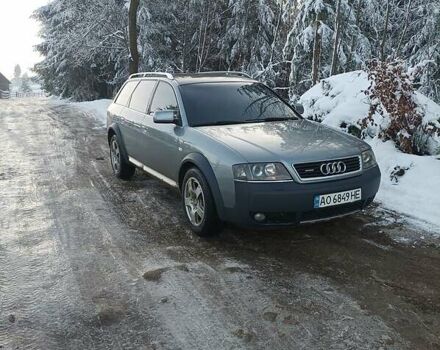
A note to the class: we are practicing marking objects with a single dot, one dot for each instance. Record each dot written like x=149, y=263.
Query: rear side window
x=126, y=92
x=141, y=96
x=164, y=99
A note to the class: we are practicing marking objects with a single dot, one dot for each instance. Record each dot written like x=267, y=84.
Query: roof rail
x=152, y=74
x=226, y=72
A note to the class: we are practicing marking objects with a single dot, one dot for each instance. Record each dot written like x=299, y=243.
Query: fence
x=15, y=94
x=27, y=94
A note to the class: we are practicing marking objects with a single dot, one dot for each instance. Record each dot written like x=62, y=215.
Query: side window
x=126, y=92
x=141, y=96
x=164, y=99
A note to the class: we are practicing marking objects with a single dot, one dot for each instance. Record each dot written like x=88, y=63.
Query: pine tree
x=326, y=37
x=420, y=46
x=25, y=86
x=17, y=72
x=250, y=34
x=85, y=47
x=289, y=44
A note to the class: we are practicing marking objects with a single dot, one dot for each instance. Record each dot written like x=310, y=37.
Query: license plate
x=338, y=198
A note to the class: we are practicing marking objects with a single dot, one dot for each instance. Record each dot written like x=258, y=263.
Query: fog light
x=259, y=217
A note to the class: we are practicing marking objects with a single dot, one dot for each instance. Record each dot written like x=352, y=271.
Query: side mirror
x=165, y=117
x=299, y=108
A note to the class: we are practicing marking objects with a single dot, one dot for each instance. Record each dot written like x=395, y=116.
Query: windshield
x=232, y=103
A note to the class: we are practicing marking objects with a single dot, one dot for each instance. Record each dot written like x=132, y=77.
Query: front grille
x=313, y=170
x=291, y=218
x=281, y=218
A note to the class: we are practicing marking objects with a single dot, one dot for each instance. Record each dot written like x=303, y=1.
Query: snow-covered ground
x=110, y=262
x=417, y=192
x=97, y=109
x=340, y=102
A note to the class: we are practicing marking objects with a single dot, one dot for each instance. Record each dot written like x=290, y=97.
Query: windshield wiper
x=255, y=120
x=269, y=119
x=223, y=122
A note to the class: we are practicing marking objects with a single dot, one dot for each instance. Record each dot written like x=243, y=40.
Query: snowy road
x=90, y=262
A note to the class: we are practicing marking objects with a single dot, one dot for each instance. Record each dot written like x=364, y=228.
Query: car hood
x=292, y=141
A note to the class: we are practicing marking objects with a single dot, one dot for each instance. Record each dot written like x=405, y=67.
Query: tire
x=122, y=169
x=197, y=198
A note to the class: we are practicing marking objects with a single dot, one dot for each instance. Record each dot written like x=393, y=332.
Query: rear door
x=137, y=127
x=122, y=100
x=164, y=155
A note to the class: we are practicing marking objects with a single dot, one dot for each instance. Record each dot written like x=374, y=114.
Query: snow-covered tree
x=255, y=35
x=181, y=35
x=133, y=61
x=17, y=72
x=289, y=44
x=16, y=80
x=321, y=35
x=85, y=47
x=249, y=34
x=25, y=84
x=420, y=45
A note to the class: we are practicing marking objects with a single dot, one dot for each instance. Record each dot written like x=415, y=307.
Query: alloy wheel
x=194, y=201
x=115, y=155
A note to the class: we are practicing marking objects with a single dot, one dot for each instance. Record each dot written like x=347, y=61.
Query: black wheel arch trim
x=203, y=164
x=115, y=129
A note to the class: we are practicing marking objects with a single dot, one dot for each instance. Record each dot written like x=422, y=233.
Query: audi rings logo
x=333, y=168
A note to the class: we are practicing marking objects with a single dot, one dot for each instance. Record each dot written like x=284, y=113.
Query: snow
x=430, y=109
x=96, y=109
x=340, y=100
x=416, y=193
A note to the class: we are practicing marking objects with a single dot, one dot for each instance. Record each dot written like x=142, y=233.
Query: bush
x=392, y=96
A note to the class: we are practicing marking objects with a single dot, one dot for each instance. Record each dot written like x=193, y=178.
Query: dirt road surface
x=91, y=262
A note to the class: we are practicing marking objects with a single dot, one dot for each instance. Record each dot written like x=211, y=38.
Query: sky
x=18, y=35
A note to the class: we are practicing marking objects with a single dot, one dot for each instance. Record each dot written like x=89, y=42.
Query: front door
x=165, y=156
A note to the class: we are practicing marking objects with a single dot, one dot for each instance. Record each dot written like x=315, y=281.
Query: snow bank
x=416, y=193
x=339, y=101
x=97, y=109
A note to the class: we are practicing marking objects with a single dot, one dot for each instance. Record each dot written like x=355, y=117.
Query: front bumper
x=291, y=203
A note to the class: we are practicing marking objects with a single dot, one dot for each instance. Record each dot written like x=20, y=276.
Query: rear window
x=125, y=93
x=141, y=96
x=232, y=103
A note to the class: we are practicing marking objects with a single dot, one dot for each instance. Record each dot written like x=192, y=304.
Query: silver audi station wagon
x=237, y=152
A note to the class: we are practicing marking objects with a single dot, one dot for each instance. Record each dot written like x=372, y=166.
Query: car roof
x=200, y=78
x=194, y=78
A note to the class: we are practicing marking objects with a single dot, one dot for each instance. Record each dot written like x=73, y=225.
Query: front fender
x=203, y=164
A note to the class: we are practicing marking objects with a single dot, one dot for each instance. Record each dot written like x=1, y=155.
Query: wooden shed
x=4, y=86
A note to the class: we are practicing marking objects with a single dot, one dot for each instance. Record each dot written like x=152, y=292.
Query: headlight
x=368, y=159
x=261, y=172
